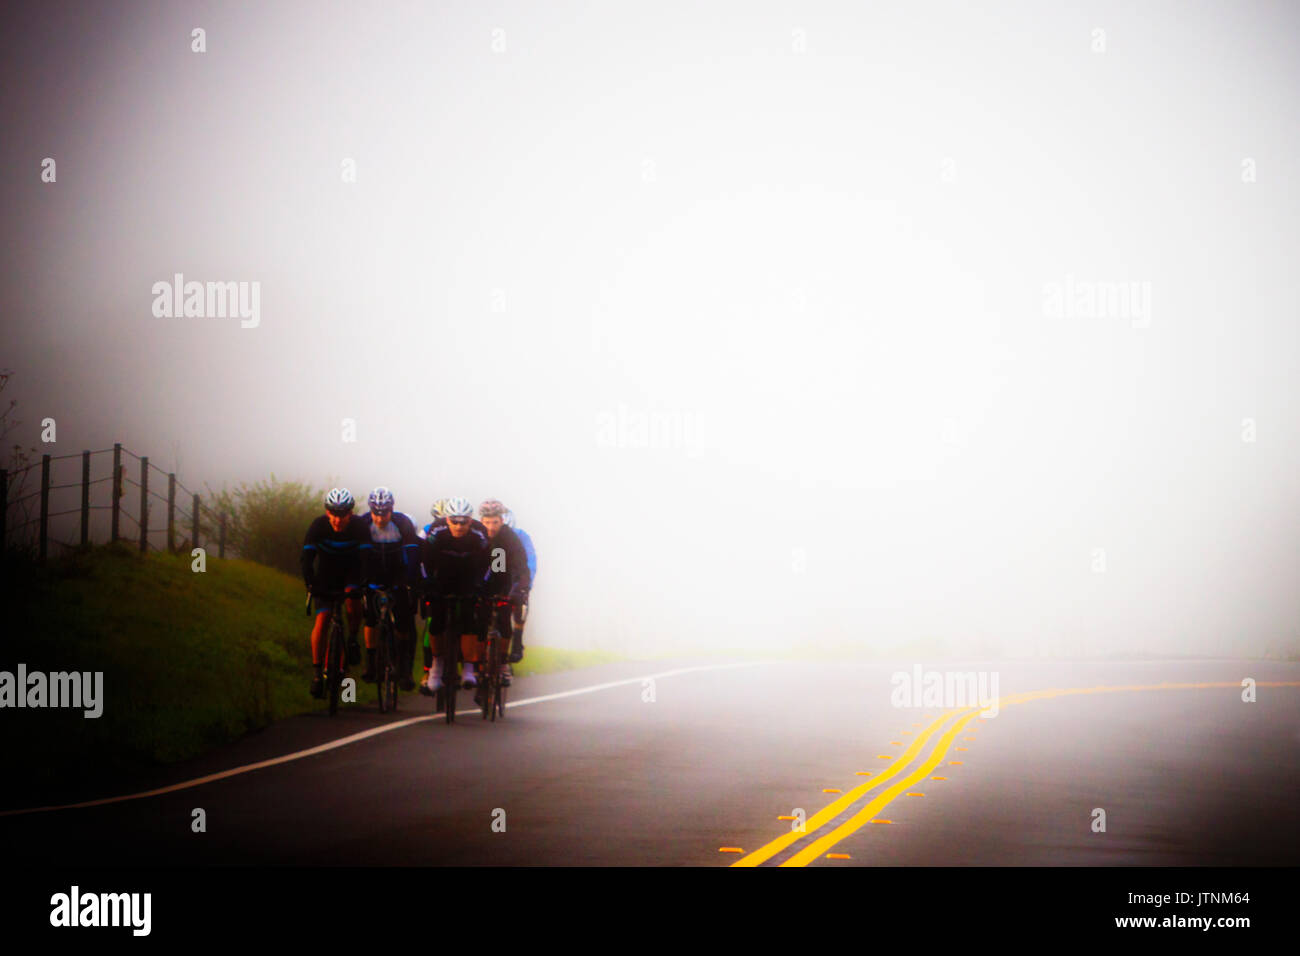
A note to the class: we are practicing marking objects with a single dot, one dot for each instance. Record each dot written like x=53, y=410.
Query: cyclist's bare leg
x=318, y=637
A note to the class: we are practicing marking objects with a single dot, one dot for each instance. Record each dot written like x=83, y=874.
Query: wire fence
x=78, y=510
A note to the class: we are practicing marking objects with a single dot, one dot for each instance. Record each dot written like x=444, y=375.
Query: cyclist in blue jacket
x=510, y=576
x=509, y=518
x=520, y=614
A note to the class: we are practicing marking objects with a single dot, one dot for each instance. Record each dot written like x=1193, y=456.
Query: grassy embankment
x=190, y=661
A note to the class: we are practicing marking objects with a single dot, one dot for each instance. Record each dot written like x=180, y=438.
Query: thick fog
x=788, y=326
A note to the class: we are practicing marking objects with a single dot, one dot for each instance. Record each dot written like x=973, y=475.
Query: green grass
x=546, y=660
x=190, y=660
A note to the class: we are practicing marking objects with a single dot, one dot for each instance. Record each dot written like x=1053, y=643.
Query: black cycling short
x=438, y=618
x=350, y=581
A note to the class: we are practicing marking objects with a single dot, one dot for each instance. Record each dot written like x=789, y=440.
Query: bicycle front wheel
x=334, y=664
x=501, y=696
x=484, y=697
x=493, y=690
x=393, y=654
x=390, y=673
x=450, y=679
x=381, y=670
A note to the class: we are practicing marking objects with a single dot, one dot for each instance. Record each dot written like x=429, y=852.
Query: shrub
x=266, y=521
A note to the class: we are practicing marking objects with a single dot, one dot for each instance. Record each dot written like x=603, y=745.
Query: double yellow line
x=960, y=717
x=833, y=810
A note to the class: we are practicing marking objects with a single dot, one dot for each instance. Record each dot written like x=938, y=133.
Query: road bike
x=387, y=657
x=335, y=645
x=445, y=697
x=491, y=693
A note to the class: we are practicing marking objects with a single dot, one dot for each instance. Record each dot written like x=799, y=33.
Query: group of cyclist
x=451, y=567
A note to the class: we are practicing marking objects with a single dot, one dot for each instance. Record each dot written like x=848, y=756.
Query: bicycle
x=335, y=646
x=491, y=695
x=387, y=665
x=445, y=697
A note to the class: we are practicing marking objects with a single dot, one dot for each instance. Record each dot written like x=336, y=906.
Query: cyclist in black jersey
x=455, y=558
x=435, y=510
x=335, y=558
x=395, y=565
x=439, y=520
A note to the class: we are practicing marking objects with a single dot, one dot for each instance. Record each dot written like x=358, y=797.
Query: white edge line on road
x=353, y=738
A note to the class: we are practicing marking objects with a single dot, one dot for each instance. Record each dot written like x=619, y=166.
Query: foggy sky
x=813, y=244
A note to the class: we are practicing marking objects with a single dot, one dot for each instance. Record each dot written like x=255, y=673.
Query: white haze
x=824, y=270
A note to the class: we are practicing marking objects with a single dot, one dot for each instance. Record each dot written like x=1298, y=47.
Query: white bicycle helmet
x=339, y=501
x=458, y=508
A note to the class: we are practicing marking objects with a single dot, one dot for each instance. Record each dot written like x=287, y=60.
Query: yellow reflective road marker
x=842, y=803
x=916, y=794
x=831, y=790
x=730, y=849
x=838, y=856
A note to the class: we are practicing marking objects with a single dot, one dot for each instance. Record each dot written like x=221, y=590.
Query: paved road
x=711, y=758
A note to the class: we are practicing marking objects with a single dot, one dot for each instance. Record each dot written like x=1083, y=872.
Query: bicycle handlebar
x=478, y=600
x=471, y=596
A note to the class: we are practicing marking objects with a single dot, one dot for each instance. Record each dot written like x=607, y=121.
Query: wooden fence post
x=171, y=512
x=194, y=519
x=85, y=498
x=117, y=488
x=144, y=504
x=45, y=507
